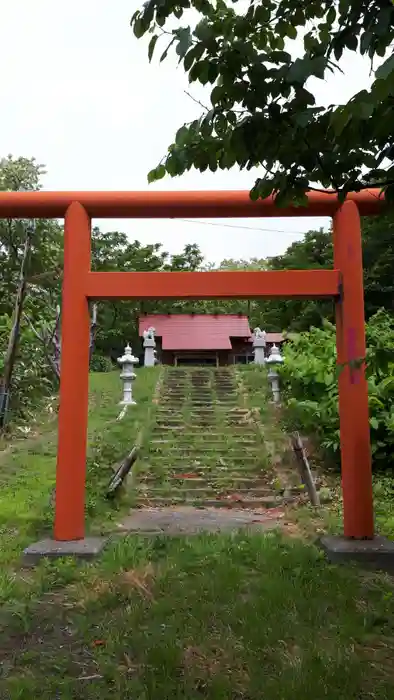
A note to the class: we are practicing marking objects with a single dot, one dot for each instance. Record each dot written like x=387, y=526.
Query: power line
x=245, y=228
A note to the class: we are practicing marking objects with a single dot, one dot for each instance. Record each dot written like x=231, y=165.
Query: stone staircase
x=204, y=448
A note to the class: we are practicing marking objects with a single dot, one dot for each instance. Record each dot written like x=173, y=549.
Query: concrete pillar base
x=85, y=549
x=377, y=553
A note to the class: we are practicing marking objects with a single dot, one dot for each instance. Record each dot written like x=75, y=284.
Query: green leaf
x=182, y=136
x=387, y=383
x=156, y=174
x=217, y=94
x=300, y=199
x=232, y=118
x=213, y=71
x=263, y=187
x=193, y=55
x=254, y=193
x=328, y=379
x=152, y=45
x=364, y=110
x=207, y=125
x=263, y=13
x=280, y=57
x=389, y=194
x=184, y=41
x=309, y=42
x=352, y=42
x=204, y=30
x=384, y=21
x=134, y=17
x=220, y=125
x=228, y=158
x=338, y=50
x=331, y=15
x=339, y=120
x=297, y=72
x=200, y=72
x=318, y=66
x=381, y=49
x=291, y=31
x=213, y=165
x=365, y=42
x=374, y=423
x=386, y=68
x=139, y=28
x=305, y=95
x=302, y=118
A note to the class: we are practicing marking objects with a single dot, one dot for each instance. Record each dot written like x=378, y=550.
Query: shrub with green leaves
x=101, y=363
x=310, y=386
x=32, y=378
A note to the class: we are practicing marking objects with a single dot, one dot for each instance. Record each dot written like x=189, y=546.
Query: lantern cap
x=128, y=356
x=275, y=357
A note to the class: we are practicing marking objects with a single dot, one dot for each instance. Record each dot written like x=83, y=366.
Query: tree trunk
x=9, y=361
x=93, y=329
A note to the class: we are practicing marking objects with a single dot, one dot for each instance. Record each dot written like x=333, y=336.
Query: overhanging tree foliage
x=259, y=57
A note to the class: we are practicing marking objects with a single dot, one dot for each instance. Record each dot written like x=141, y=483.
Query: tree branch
x=196, y=100
x=44, y=343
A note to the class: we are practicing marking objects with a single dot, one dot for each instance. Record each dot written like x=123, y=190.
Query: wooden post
x=353, y=388
x=74, y=378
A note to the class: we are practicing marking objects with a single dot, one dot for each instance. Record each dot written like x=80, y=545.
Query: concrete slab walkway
x=187, y=520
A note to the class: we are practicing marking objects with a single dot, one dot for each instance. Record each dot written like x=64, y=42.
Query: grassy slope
x=27, y=472
x=330, y=517
x=213, y=617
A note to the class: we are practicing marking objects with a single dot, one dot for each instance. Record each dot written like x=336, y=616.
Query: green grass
x=208, y=617
x=275, y=427
x=213, y=617
x=27, y=471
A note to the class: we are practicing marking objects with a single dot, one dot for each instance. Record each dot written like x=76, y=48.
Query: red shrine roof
x=274, y=338
x=196, y=331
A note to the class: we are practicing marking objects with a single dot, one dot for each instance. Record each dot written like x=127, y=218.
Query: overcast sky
x=77, y=92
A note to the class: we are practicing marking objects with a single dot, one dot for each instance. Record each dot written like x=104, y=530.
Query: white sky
x=77, y=92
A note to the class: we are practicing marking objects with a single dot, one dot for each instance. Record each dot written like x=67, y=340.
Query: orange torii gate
x=344, y=284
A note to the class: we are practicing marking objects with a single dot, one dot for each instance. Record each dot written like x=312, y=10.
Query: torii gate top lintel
x=181, y=204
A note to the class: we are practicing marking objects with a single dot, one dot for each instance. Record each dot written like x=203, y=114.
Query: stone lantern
x=259, y=344
x=274, y=360
x=127, y=362
x=149, y=348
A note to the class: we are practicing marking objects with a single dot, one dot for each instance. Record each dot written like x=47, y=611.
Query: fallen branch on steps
x=304, y=468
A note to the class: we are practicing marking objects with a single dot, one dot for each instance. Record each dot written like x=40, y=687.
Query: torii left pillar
x=69, y=527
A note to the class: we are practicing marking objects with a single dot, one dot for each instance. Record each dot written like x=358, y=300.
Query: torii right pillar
x=359, y=541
